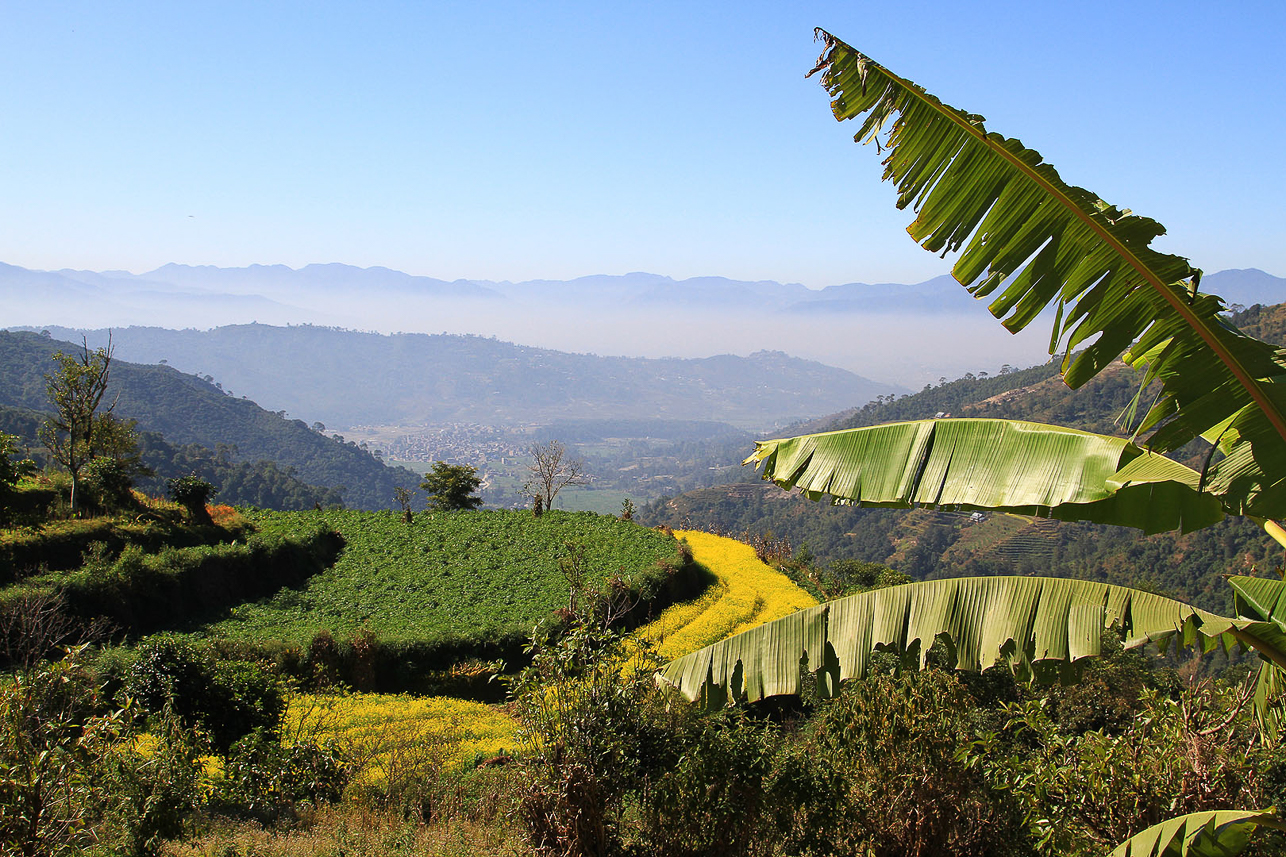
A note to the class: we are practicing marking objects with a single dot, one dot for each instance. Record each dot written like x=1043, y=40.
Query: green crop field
x=449, y=576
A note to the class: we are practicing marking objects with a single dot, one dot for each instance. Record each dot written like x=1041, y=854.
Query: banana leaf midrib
x=1054, y=426
x=1244, y=377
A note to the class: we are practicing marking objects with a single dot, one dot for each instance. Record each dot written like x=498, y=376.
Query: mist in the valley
x=905, y=349
x=908, y=351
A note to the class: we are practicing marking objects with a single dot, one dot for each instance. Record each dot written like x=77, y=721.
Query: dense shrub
x=879, y=773
x=106, y=483
x=712, y=800
x=70, y=777
x=267, y=780
x=226, y=700
x=1082, y=792
x=596, y=729
x=192, y=493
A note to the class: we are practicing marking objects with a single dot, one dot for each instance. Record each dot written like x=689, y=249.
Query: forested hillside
x=186, y=410
x=933, y=543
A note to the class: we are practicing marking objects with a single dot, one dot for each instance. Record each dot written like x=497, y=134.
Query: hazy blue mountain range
x=185, y=409
x=345, y=378
x=280, y=285
x=907, y=335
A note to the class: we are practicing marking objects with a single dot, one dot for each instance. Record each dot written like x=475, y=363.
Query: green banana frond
x=1033, y=241
x=1006, y=465
x=1220, y=833
x=1264, y=600
x=1036, y=625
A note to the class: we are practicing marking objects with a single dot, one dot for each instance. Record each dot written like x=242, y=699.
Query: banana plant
x=1030, y=242
x=1220, y=833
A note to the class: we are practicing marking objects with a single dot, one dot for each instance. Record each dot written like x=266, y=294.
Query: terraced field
x=447, y=577
x=391, y=732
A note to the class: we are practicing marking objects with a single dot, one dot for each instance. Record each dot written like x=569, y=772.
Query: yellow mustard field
x=748, y=593
x=391, y=735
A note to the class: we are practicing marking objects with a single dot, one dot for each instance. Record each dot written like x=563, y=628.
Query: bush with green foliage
x=1081, y=792
x=594, y=733
x=225, y=700
x=70, y=778
x=107, y=482
x=269, y=781
x=710, y=799
x=879, y=772
x=192, y=493
x=451, y=487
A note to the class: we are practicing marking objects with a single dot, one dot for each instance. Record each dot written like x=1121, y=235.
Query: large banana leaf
x=1034, y=241
x=1220, y=833
x=1264, y=600
x=1020, y=467
x=1040, y=624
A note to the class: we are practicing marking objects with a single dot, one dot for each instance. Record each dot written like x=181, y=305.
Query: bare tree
x=33, y=626
x=552, y=471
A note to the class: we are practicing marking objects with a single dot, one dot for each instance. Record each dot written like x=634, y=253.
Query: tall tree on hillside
x=76, y=390
x=552, y=471
x=450, y=487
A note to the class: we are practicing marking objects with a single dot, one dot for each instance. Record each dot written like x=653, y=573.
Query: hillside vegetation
x=458, y=584
x=187, y=410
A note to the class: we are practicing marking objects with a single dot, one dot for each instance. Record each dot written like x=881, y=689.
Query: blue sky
x=552, y=140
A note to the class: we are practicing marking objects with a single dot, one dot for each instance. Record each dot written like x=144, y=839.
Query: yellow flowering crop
x=748, y=593
x=391, y=735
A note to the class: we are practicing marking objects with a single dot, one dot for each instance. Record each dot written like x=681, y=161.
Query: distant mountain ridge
x=894, y=333
x=277, y=287
x=344, y=378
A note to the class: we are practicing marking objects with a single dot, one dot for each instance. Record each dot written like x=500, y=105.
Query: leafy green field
x=466, y=576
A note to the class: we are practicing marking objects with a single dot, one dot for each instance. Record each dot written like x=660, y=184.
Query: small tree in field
x=76, y=391
x=450, y=487
x=552, y=471
x=192, y=493
x=404, y=496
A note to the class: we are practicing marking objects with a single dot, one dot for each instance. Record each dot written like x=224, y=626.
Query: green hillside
x=186, y=410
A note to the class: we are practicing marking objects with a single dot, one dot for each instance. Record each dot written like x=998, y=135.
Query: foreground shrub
x=70, y=779
x=226, y=700
x=594, y=729
x=712, y=801
x=879, y=772
x=269, y=781
x=1082, y=792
